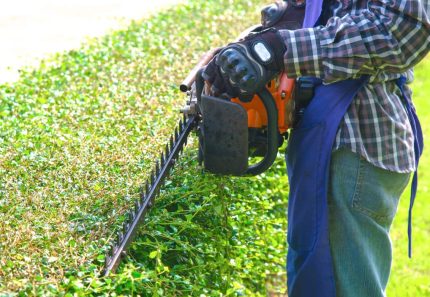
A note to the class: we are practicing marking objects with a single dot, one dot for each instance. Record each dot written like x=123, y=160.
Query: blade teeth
x=142, y=194
x=157, y=167
x=130, y=217
x=136, y=206
x=162, y=159
x=107, y=259
x=181, y=126
x=125, y=227
x=146, y=189
x=119, y=238
x=114, y=249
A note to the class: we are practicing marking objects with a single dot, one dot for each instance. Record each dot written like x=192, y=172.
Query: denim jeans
x=362, y=203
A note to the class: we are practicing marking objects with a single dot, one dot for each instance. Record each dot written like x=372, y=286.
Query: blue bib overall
x=309, y=263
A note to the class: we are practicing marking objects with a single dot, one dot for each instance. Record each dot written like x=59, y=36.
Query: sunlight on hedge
x=78, y=137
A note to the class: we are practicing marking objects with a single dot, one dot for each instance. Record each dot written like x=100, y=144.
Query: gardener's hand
x=243, y=68
x=284, y=15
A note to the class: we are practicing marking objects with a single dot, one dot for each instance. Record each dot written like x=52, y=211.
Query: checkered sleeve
x=389, y=36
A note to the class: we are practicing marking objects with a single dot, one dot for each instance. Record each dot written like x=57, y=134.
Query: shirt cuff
x=303, y=55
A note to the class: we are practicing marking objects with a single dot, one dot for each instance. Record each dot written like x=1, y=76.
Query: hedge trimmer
x=230, y=132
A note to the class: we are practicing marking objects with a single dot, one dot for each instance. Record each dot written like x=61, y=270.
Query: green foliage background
x=411, y=277
x=78, y=136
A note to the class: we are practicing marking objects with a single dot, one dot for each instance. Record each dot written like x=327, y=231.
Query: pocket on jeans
x=378, y=192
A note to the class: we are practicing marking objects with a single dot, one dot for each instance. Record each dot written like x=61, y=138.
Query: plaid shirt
x=380, y=38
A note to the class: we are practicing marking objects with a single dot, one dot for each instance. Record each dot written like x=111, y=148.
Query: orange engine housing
x=281, y=89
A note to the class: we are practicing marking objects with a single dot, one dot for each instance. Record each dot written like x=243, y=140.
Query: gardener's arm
x=390, y=36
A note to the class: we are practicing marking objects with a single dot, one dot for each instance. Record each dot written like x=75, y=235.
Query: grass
x=411, y=277
x=78, y=136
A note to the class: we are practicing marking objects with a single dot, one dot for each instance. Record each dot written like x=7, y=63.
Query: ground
x=34, y=29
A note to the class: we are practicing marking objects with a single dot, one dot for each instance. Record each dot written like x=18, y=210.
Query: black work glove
x=284, y=15
x=243, y=68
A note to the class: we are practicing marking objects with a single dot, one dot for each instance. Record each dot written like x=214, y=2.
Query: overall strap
x=418, y=149
x=310, y=270
x=312, y=12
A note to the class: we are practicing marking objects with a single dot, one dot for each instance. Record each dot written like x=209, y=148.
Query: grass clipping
x=78, y=137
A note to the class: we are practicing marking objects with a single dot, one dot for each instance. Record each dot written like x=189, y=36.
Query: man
x=351, y=155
